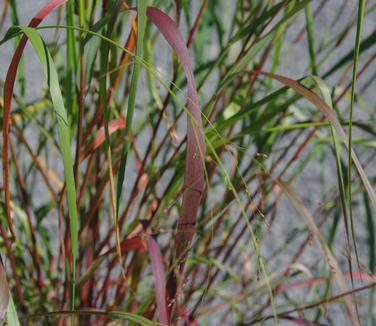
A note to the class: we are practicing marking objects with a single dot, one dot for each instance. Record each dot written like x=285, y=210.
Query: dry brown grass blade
x=309, y=220
x=330, y=115
x=4, y=11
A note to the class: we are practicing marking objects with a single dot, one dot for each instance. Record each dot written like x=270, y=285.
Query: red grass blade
x=99, y=137
x=131, y=244
x=159, y=279
x=8, y=92
x=184, y=313
x=126, y=57
x=197, y=20
x=361, y=276
x=194, y=180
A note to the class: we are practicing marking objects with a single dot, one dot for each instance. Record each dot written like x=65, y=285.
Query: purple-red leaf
x=157, y=268
x=194, y=180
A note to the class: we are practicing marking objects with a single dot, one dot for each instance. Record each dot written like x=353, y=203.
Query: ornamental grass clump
x=187, y=162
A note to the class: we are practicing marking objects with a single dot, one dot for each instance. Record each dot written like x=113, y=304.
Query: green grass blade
x=12, y=316
x=311, y=40
x=104, y=53
x=325, y=92
x=368, y=42
x=371, y=235
x=353, y=87
x=71, y=61
x=51, y=75
x=371, y=255
x=141, y=26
